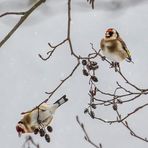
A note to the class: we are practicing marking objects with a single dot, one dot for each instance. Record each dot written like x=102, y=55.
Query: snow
x=24, y=77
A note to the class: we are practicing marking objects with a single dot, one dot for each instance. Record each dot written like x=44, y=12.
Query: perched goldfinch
x=38, y=118
x=114, y=48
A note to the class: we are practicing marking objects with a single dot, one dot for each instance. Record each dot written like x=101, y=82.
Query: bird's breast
x=110, y=47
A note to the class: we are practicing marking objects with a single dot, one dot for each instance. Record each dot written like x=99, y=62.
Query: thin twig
x=12, y=13
x=29, y=140
x=22, y=19
x=131, y=131
x=86, y=137
x=49, y=53
x=64, y=80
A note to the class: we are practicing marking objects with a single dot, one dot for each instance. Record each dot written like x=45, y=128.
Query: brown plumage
x=39, y=117
x=113, y=47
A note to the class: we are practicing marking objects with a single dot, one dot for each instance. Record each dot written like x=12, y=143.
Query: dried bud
x=132, y=133
x=115, y=106
x=85, y=73
x=119, y=101
x=85, y=138
x=49, y=128
x=47, y=138
x=42, y=132
x=100, y=145
x=91, y=92
x=84, y=62
x=92, y=114
x=94, y=78
x=93, y=106
x=85, y=110
x=103, y=58
x=92, y=99
x=36, y=131
x=126, y=123
x=82, y=125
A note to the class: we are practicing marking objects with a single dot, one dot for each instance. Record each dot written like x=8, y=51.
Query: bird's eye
x=20, y=122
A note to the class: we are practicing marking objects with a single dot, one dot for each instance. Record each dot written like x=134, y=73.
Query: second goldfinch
x=39, y=117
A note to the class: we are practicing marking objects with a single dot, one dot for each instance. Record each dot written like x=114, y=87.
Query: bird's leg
x=117, y=66
x=38, y=117
x=112, y=65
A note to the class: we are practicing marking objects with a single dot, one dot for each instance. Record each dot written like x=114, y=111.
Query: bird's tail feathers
x=61, y=101
x=129, y=59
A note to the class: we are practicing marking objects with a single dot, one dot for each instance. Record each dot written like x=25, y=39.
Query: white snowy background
x=24, y=77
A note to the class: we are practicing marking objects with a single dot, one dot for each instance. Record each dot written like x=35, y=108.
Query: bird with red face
x=38, y=118
x=114, y=48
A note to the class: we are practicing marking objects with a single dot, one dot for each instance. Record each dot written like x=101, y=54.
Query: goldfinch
x=114, y=48
x=38, y=118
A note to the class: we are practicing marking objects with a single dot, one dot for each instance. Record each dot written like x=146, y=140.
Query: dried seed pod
x=85, y=73
x=36, y=131
x=42, y=132
x=94, y=78
x=49, y=128
x=85, y=110
x=47, y=137
x=84, y=62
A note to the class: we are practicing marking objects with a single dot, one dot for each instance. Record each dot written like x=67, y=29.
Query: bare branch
x=118, y=97
x=64, y=80
x=131, y=131
x=49, y=53
x=22, y=19
x=86, y=137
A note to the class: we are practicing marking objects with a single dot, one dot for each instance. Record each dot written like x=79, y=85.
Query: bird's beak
x=107, y=34
x=19, y=134
x=20, y=130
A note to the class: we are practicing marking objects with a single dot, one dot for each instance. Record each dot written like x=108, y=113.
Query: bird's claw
x=112, y=65
x=115, y=65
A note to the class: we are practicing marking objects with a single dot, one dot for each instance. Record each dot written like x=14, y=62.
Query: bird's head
x=20, y=128
x=111, y=34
